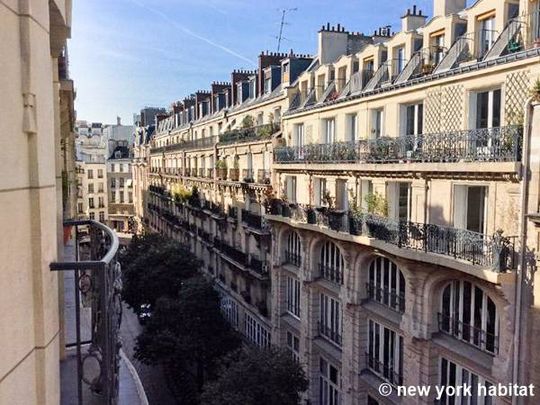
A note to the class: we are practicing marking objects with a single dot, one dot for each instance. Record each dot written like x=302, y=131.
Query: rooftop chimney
x=118, y=121
x=445, y=7
x=412, y=20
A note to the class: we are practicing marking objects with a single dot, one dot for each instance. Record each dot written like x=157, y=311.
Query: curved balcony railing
x=496, y=252
x=98, y=284
x=501, y=144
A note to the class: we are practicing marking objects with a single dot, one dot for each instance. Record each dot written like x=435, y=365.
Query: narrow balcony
x=252, y=134
x=492, y=252
x=254, y=221
x=95, y=313
x=201, y=143
x=501, y=144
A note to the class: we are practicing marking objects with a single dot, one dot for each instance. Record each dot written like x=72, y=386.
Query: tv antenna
x=284, y=12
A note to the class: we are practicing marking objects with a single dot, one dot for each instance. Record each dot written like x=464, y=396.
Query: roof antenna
x=284, y=12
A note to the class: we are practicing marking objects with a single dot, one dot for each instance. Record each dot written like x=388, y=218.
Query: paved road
x=151, y=377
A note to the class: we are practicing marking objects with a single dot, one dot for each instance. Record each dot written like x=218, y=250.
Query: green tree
x=188, y=333
x=257, y=377
x=154, y=266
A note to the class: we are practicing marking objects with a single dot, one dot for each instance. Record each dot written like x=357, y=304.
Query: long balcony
x=254, y=221
x=495, y=252
x=258, y=133
x=185, y=145
x=97, y=312
x=502, y=144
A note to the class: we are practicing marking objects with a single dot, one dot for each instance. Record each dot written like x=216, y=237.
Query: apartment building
x=37, y=190
x=209, y=171
x=395, y=215
x=120, y=188
x=92, y=190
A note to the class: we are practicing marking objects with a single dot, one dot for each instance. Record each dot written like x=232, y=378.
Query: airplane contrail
x=191, y=33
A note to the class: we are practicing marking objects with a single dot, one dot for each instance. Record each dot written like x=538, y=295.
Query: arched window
x=331, y=263
x=468, y=314
x=386, y=284
x=293, y=249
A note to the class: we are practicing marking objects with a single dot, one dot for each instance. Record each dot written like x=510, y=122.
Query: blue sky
x=125, y=54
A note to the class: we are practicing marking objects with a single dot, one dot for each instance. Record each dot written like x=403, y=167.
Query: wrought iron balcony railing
x=330, y=333
x=184, y=145
x=501, y=144
x=496, y=252
x=293, y=258
x=481, y=338
x=386, y=369
x=97, y=282
x=386, y=296
x=331, y=273
x=261, y=132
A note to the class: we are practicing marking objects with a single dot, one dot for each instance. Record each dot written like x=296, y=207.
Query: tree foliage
x=257, y=377
x=188, y=332
x=152, y=267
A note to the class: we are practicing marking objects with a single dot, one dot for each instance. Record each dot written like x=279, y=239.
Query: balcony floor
x=131, y=391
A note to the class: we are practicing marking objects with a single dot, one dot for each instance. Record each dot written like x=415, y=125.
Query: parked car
x=144, y=313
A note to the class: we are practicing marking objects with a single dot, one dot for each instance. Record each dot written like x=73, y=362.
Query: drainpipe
x=522, y=242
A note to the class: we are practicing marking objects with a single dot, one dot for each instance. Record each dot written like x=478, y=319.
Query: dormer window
x=267, y=85
x=286, y=67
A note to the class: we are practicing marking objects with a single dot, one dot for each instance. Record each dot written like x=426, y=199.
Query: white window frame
x=293, y=345
x=294, y=247
x=459, y=320
x=329, y=390
x=293, y=296
x=386, y=284
x=385, y=352
x=330, y=319
x=461, y=376
x=352, y=127
x=329, y=127
x=331, y=259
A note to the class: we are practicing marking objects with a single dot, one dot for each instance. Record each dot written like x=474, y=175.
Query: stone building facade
x=397, y=227
x=37, y=190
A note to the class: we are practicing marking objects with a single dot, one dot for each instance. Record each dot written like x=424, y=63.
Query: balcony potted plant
x=311, y=215
x=221, y=169
x=355, y=216
x=535, y=91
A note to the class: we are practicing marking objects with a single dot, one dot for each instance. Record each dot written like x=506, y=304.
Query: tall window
x=399, y=200
x=470, y=207
x=319, y=190
x=414, y=126
x=293, y=296
x=331, y=263
x=90, y=188
x=100, y=173
x=452, y=374
x=488, y=109
x=90, y=174
x=299, y=135
x=293, y=253
x=329, y=130
x=329, y=383
x=255, y=332
x=385, y=353
x=352, y=127
x=290, y=183
x=377, y=123
x=400, y=60
x=330, y=318
x=386, y=284
x=91, y=202
x=487, y=35
x=438, y=49
x=101, y=216
x=293, y=345
x=468, y=314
